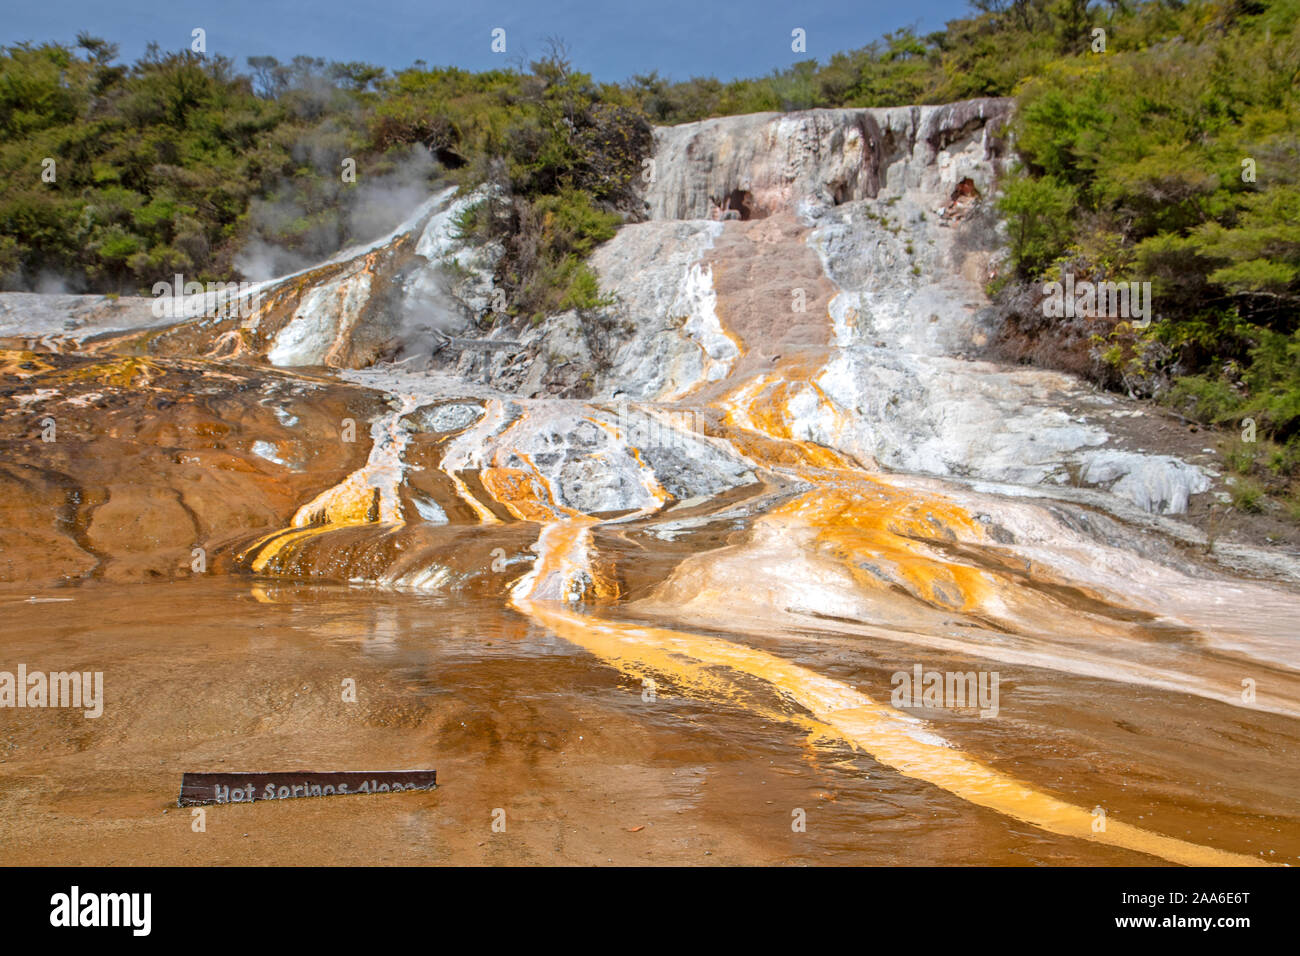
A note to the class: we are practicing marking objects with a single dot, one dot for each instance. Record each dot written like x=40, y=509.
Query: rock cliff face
x=748, y=167
x=822, y=271
x=778, y=458
x=879, y=338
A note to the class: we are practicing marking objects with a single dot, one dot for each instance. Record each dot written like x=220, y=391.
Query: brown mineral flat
x=201, y=788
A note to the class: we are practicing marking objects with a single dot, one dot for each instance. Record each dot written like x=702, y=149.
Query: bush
x=1142, y=158
x=1037, y=212
x=1247, y=496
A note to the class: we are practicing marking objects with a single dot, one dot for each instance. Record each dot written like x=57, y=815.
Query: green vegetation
x=1246, y=496
x=560, y=152
x=154, y=165
x=1174, y=157
x=178, y=164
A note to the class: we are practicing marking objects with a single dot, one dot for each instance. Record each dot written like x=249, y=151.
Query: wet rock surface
x=119, y=468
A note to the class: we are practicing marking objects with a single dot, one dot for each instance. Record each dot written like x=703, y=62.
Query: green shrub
x=1208, y=400
x=1137, y=161
x=1247, y=496
x=1038, y=214
x=1239, y=457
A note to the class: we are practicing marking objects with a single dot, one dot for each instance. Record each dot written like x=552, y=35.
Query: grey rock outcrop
x=758, y=164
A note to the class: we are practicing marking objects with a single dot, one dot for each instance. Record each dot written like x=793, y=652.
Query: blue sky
x=612, y=40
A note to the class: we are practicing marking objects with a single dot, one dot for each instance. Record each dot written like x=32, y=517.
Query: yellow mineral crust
x=906, y=744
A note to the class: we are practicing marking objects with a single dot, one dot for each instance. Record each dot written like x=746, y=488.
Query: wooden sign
x=201, y=788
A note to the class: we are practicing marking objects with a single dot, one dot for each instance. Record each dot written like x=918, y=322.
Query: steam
x=302, y=223
x=46, y=282
x=52, y=283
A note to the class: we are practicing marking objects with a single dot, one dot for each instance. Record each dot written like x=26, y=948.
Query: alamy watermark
x=179, y=299
x=1093, y=300
x=75, y=689
x=677, y=428
x=950, y=690
x=75, y=909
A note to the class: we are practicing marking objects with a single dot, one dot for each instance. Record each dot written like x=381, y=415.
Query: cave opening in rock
x=449, y=157
x=741, y=202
